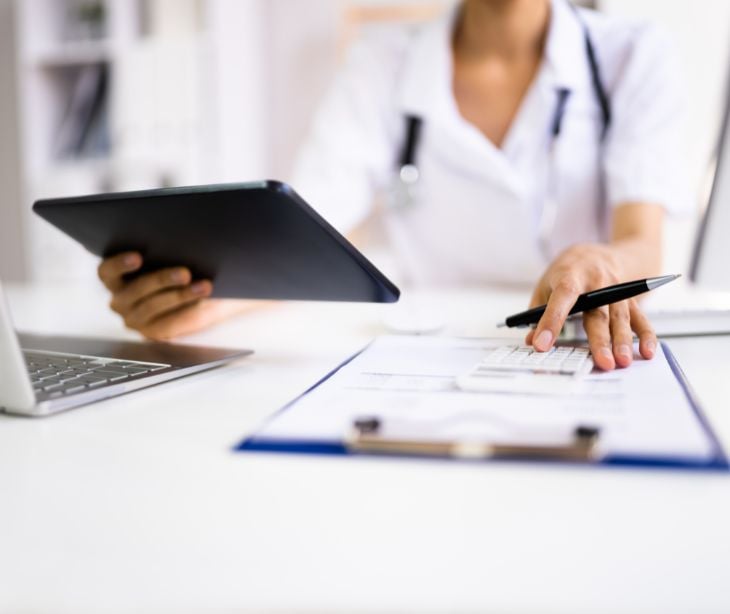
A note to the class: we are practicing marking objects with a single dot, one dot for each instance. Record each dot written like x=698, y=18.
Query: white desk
x=138, y=504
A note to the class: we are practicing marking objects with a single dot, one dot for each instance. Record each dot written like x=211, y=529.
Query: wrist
x=638, y=257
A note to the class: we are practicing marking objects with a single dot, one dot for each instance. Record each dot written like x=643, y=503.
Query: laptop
x=41, y=375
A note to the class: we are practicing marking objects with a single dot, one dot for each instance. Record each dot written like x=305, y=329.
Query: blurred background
x=100, y=95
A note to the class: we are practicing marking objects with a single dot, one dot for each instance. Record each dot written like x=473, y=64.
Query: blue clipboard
x=716, y=460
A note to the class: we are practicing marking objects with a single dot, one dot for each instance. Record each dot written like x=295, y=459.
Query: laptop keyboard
x=54, y=375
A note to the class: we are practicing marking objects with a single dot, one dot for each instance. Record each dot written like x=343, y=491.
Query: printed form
x=409, y=384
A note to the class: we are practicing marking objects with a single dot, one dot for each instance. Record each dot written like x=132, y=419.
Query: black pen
x=593, y=299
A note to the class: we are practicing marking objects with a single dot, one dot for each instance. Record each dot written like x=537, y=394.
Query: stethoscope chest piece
x=403, y=190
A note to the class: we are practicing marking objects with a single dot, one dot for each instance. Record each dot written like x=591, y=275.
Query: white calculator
x=519, y=368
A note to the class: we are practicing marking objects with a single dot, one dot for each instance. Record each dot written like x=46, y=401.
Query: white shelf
x=72, y=54
x=177, y=109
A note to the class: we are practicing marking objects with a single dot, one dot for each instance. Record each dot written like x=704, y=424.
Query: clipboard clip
x=366, y=437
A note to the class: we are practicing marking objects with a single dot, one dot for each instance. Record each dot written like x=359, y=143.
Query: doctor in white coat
x=509, y=141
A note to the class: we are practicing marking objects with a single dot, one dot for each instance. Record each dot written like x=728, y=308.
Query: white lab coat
x=477, y=208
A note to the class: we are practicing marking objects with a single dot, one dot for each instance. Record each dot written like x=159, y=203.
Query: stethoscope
x=408, y=175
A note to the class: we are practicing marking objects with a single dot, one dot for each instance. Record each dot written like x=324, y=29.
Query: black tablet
x=253, y=240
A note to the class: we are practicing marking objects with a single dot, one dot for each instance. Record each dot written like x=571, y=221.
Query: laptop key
x=92, y=379
x=107, y=369
x=134, y=371
x=118, y=378
x=75, y=388
x=96, y=383
x=47, y=371
x=80, y=370
x=66, y=376
x=49, y=381
x=113, y=376
x=71, y=362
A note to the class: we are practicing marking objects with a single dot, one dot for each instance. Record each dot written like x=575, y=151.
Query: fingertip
x=603, y=359
x=544, y=340
x=180, y=275
x=647, y=348
x=202, y=287
x=529, y=337
x=132, y=260
x=623, y=355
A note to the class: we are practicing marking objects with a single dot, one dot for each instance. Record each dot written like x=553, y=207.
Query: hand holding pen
x=609, y=326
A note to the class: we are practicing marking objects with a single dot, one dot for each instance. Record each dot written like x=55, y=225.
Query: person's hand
x=162, y=304
x=580, y=269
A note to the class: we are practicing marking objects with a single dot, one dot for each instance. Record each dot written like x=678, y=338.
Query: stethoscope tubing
x=408, y=173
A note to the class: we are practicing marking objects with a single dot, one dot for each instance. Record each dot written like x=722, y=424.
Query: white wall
x=701, y=31
x=240, y=120
x=302, y=47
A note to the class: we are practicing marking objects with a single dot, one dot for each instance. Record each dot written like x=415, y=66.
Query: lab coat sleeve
x=645, y=149
x=349, y=152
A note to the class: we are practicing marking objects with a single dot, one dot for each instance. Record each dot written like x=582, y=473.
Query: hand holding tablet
x=165, y=250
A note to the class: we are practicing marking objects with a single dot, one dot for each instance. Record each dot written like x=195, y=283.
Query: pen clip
x=366, y=438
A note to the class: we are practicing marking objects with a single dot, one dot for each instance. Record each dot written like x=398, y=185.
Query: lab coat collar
x=564, y=66
x=426, y=86
x=565, y=53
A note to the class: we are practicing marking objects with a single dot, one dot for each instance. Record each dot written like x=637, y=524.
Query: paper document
x=410, y=384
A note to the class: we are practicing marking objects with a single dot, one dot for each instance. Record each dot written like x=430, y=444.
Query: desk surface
x=137, y=503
